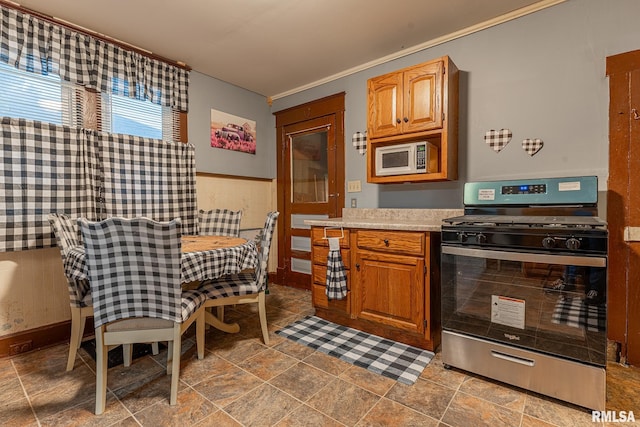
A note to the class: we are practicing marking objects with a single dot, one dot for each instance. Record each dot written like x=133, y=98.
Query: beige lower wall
x=33, y=289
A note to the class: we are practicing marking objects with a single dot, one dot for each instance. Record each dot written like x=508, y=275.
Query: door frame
x=623, y=204
x=328, y=106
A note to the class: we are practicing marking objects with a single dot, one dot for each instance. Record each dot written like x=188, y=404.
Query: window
x=36, y=97
x=121, y=114
x=48, y=99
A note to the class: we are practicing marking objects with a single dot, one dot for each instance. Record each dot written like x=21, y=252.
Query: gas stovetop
x=567, y=221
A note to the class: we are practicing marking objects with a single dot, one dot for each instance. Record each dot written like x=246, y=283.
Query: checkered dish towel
x=336, y=274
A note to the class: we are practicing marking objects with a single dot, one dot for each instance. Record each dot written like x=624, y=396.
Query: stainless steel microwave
x=403, y=159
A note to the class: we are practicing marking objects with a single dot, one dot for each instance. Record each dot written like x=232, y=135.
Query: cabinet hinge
x=425, y=323
x=443, y=116
x=425, y=270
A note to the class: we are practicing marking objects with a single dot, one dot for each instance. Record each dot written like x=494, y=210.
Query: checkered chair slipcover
x=67, y=236
x=219, y=222
x=245, y=287
x=134, y=271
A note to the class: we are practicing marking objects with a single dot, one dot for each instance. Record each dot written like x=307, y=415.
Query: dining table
x=202, y=258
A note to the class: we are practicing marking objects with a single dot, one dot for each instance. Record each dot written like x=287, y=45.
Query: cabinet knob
x=398, y=121
x=406, y=119
x=386, y=242
x=358, y=267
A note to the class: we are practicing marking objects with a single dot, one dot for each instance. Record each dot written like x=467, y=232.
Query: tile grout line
x=26, y=395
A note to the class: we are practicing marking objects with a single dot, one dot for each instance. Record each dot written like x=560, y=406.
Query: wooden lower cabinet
x=393, y=284
x=319, y=252
x=389, y=289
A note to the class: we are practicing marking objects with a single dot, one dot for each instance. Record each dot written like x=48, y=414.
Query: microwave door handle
x=583, y=261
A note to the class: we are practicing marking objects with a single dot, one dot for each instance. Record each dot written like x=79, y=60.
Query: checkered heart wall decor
x=532, y=146
x=497, y=139
x=359, y=140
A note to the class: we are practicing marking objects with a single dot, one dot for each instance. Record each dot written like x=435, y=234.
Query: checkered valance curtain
x=48, y=168
x=39, y=46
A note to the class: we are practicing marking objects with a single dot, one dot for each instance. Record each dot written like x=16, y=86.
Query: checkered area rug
x=574, y=312
x=391, y=359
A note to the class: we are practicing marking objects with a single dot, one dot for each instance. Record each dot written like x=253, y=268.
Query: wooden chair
x=246, y=287
x=134, y=271
x=67, y=236
x=219, y=222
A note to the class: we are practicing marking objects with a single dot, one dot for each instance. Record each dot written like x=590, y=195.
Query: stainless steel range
x=524, y=287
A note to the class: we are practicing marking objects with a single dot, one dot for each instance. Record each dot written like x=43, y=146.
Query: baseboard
x=38, y=338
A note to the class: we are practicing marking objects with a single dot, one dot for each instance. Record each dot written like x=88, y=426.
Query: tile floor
x=242, y=382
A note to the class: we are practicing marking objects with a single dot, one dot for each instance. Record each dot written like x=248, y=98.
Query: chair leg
x=101, y=371
x=77, y=326
x=200, y=329
x=169, y=356
x=127, y=354
x=220, y=313
x=155, y=350
x=262, y=312
x=175, y=368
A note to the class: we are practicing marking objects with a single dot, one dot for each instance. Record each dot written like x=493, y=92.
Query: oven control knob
x=573, y=244
x=481, y=238
x=549, y=242
x=462, y=237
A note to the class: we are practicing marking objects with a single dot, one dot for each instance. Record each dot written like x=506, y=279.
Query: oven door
x=554, y=304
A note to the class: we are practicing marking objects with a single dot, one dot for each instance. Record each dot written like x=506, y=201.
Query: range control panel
x=531, y=192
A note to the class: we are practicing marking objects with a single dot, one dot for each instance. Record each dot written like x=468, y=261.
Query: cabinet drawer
x=320, y=275
x=320, y=254
x=403, y=242
x=318, y=235
x=319, y=299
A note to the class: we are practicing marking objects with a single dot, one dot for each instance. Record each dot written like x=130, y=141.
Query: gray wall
x=541, y=76
x=206, y=93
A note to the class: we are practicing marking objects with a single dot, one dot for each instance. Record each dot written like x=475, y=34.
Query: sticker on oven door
x=507, y=311
x=487, y=194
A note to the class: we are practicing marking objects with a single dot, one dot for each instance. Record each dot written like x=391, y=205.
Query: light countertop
x=389, y=219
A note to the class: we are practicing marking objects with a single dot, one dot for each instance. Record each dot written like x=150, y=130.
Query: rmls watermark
x=613, y=416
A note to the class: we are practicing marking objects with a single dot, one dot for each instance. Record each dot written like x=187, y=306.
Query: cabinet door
x=385, y=105
x=389, y=289
x=423, y=92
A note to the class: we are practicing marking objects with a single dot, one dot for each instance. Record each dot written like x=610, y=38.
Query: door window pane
x=309, y=168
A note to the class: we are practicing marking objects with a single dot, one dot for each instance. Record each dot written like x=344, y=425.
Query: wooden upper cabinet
x=385, y=105
x=415, y=104
x=406, y=101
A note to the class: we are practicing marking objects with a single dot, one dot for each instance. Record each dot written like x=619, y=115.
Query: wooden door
x=423, y=92
x=623, y=204
x=389, y=289
x=385, y=105
x=310, y=180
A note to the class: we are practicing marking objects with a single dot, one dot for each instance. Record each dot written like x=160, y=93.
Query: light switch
x=354, y=186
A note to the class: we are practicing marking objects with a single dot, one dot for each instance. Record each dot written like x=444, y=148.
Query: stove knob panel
x=481, y=238
x=573, y=244
x=462, y=237
x=549, y=242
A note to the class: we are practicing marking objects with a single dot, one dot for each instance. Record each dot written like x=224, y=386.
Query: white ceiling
x=278, y=47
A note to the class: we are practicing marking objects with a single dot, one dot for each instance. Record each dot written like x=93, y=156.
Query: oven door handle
x=584, y=261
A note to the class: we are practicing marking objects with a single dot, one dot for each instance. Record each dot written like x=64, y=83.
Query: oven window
x=552, y=308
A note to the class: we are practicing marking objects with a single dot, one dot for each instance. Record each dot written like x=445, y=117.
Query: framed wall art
x=233, y=133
